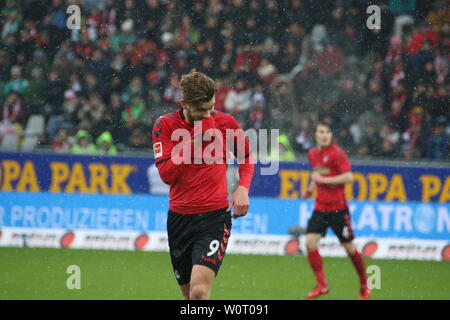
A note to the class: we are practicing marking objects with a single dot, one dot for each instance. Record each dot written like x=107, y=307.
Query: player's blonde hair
x=197, y=88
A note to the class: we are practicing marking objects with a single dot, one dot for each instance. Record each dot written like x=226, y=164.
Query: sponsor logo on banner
x=141, y=241
x=396, y=220
x=257, y=244
x=22, y=237
x=67, y=239
x=331, y=247
x=71, y=174
x=370, y=249
x=412, y=250
x=162, y=242
x=292, y=247
x=106, y=240
x=415, y=249
x=446, y=253
x=399, y=230
x=152, y=241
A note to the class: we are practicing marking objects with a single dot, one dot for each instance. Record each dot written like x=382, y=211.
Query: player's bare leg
x=201, y=282
x=358, y=262
x=315, y=260
x=312, y=240
x=185, y=288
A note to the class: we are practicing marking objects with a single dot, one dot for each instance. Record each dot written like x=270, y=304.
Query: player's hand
x=307, y=194
x=240, y=202
x=318, y=178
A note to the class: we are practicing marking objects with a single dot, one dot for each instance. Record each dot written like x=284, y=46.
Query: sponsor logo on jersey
x=321, y=170
x=157, y=149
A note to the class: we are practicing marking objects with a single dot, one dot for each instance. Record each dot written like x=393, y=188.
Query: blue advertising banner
x=372, y=182
x=267, y=216
x=137, y=175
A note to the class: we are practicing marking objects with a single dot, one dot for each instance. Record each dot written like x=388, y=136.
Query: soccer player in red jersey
x=199, y=217
x=331, y=171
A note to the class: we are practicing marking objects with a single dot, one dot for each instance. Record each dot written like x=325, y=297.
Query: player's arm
x=164, y=152
x=343, y=178
x=240, y=199
x=309, y=191
x=242, y=152
x=344, y=169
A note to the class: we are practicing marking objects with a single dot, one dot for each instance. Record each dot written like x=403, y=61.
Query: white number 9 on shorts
x=213, y=246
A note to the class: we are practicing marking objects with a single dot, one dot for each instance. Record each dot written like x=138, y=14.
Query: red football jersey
x=197, y=187
x=330, y=161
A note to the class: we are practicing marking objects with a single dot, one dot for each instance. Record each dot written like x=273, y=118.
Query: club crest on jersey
x=325, y=159
x=157, y=149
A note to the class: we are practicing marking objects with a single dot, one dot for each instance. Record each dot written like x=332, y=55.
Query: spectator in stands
x=238, y=100
x=4, y=68
x=61, y=143
x=387, y=149
x=388, y=133
x=105, y=144
x=126, y=36
x=34, y=95
x=424, y=32
x=172, y=93
x=408, y=152
x=221, y=95
x=397, y=116
x=440, y=15
x=187, y=33
x=331, y=61
x=135, y=88
x=303, y=134
x=257, y=110
x=12, y=110
x=12, y=115
x=83, y=144
x=133, y=115
x=374, y=115
x=349, y=102
x=11, y=26
x=370, y=142
x=91, y=112
x=345, y=140
x=303, y=53
x=54, y=96
x=282, y=103
x=16, y=83
x=439, y=141
x=267, y=72
x=66, y=117
x=138, y=139
x=413, y=136
x=395, y=52
x=285, y=151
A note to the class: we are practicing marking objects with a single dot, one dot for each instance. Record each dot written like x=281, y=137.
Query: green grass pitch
x=35, y=273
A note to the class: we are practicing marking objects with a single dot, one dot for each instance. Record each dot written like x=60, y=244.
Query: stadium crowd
x=278, y=64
